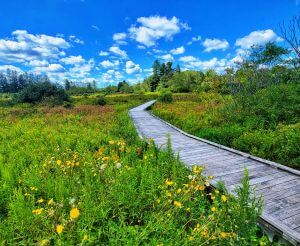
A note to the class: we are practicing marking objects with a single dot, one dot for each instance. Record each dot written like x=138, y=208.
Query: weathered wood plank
x=280, y=186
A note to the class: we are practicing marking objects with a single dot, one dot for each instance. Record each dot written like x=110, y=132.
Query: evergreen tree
x=154, y=82
x=162, y=71
x=94, y=84
x=156, y=67
x=12, y=78
x=169, y=70
x=21, y=83
x=4, y=86
x=67, y=84
x=89, y=86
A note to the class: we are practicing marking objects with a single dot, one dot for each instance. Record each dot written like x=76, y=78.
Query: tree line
x=13, y=82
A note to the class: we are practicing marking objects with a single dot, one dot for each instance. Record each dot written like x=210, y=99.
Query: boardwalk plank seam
x=218, y=157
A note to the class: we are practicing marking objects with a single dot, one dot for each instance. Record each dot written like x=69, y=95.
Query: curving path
x=279, y=185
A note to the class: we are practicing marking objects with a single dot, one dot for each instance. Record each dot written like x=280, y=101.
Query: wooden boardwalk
x=279, y=185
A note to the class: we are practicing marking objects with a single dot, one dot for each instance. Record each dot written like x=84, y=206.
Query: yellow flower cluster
x=37, y=211
x=184, y=196
x=74, y=213
x=118, y=144
x=52, y=211
x=177, y=204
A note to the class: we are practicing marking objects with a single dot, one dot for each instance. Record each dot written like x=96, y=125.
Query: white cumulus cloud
x=117, y=51
x=4, y=68
x=178, y=51
x=51, y=68
x=193, y=63
x=188, y=59
x=38, y=63
x=109, y=64
x=167, y=57
x=119, y=36
x=71, y=60
x=194, y=39
x=259, y=37
x=215, y=44
x=26, y=47
x=150, y=29
x=131, y=67
x=103, y=53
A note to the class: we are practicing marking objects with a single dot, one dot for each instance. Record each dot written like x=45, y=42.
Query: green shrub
x=224, y=135
x=68, y=105
x=43, y=92
x=100, y=100
x=280, y=145
x=165, y=97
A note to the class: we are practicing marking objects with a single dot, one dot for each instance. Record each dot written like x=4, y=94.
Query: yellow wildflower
x=213, y=209
x=85, y=237
x=179, y=191
x=177, y=204
x=105, y=158
x=188, y=210
x=169, y=194
x=51, y=202
x=197, y=170
x=44, y=242
x=111, y=142
x=262, y=243
x=59, y=229
x=191, y=238
x=204, y=233
x=213, y=197
x=74, y=213
x=58, y=162
x=37, y=211
x=223, y=234
x=41, y=200
x=223, y=198
x=200, y=187
x=196, y=230
x=33, y=188
x=217, y=191
x=169, y=182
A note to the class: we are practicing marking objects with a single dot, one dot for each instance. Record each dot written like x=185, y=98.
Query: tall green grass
x=81, y=176
x=265, y=124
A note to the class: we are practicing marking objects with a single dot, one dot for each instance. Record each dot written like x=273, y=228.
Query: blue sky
x=114, y=40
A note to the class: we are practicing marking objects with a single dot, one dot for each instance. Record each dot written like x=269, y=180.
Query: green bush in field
x=81, y=176
x=42, y=92
x=264, y=123
x=68, y=105
x=165, y=97
x=100, y=100
x=276, y=145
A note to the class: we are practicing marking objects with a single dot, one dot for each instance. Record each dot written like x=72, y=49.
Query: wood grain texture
x=278, y=185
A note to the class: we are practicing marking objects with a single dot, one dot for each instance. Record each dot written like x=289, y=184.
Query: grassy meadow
x=81, y=176
x=265, y=124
